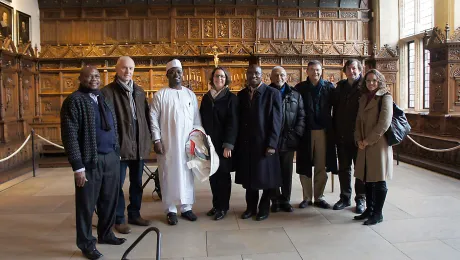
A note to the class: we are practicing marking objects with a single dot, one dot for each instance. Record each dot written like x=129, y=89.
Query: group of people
x=255, y=133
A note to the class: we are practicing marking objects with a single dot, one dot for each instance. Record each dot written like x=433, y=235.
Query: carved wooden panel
x=181, y=28
x=159, y=79
x=236, y=28
x=195, y=28
x=49, y=83
x=208, y=28
x=10, y=90
x=249, y=28
x=50, y=106
x=352, y=31
x=222, y=28
x=294, y=76
x=333, y=75
x=142, y=78
x=28, y=98
x=70, y=82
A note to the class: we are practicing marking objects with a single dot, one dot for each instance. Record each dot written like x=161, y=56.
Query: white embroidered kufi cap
x=173, y=64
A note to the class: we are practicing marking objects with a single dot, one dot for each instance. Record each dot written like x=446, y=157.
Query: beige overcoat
x=375, y=162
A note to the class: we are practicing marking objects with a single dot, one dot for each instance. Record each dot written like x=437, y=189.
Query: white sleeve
x=197, y=117
x=155, y=112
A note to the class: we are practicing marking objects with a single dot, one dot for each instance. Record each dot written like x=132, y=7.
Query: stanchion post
x=32, y=133
x=398, y=149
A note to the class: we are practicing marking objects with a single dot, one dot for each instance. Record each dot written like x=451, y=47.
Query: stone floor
x=422, y=216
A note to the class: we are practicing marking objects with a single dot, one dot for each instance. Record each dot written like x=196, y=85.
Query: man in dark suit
x=258, y=166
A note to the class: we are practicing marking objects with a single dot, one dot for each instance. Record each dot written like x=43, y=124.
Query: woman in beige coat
x=374, y=164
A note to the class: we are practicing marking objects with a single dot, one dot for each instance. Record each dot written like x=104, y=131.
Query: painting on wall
x=23, y=24
x=6, y=24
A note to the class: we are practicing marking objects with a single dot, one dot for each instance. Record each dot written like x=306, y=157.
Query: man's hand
x=158, y=147
x=269, y=152
x=227, y=153
x=80, y=179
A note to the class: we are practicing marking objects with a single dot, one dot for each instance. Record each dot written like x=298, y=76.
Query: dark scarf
x=101, y=104
x=371, y=95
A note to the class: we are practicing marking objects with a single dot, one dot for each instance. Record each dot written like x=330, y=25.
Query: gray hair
x=123, y=58
x=279, y=68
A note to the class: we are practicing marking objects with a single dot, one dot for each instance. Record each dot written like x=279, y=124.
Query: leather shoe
x=374, y=219
x=341, y=204
x=139, y=221
x=220, y=214
x=113, y=241
x=247, y=214
x=92, y=254
x=172, y=218
x=275, y=207
x=122, y=228
x=322, y=204
x=304, y=204
x=359, y=208
x=287, y=207
x=211, y=212
x=366, y=214
x=189, y=215
x=261, y=216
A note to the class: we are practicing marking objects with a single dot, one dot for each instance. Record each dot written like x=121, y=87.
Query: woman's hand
x=227, y=153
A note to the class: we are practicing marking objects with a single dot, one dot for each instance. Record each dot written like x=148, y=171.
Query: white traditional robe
x=173, y=115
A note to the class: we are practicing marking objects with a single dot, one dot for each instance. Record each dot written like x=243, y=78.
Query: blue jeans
x=135, y=190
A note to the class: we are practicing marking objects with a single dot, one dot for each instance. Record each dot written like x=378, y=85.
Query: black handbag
x=399, y=127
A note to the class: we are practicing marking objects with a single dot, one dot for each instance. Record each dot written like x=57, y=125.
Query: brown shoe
x=139, y=222
x=122, y=228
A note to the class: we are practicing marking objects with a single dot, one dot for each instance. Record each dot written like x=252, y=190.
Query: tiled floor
x=422, y=221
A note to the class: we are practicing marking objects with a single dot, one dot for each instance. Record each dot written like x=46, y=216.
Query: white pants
x=173, y=208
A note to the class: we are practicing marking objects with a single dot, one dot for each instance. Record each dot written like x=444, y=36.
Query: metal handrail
x=148, y=230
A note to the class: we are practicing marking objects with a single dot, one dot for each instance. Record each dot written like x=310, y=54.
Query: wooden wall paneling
x=80, y=32
x=209, y=28
x=293, y=76
x=142, y=78
x=181, y=32
x=136, y=30
x=111, y=30
x=48, y=32
x=64, y=32
x=338, y=30
x=70, y=82
x=296, y=29
x=281, y=29
x=150, y=30
x=123, y=33
x=265, y=29
x=223, y=28
x=96, y=29
x=352, y=31
x=164, y=29
x=236, y=28
x=159, y=79
x=365, y=30
x=311, y=30
x=195, y=27
x=325, y=30
x=249, y=28
x=334, y=75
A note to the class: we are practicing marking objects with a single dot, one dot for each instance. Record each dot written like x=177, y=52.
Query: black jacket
x=293, y=124
x=78, y=130
x=259, y=129
x=304, y=156
x=132, y=147
x=220, y=121
x=345, y=110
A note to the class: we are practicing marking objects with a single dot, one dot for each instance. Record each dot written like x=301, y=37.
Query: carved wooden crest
x=437, y=38
x=385, y=52
x=27, y=50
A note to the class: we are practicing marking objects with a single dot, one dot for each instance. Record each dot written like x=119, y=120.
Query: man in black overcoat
x=317, y=147
x=258, y=166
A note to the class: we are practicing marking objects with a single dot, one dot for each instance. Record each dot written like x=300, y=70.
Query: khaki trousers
x=318, y=151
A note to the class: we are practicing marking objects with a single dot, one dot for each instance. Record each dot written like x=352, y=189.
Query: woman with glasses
x=374, y=163
x=219, y=116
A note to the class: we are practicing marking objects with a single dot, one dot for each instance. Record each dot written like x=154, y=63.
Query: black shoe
x=304, y=204
x=220, y=214
x=322, y=204
x=113, y=241
x=365, y=215
x=287, y=207
x=189, y=215
x=247, y=214
x=172, y=218
x=374, y=219
x=359, y=208
x=92, y=254
x=341, y=204
x=261, y=216
x=275, y=207
x=211, y=212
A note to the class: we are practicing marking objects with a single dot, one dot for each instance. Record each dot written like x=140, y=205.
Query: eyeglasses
x=219, y=76
x=371, y=81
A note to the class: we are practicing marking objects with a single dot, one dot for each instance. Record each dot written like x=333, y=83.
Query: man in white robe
x=174, y=112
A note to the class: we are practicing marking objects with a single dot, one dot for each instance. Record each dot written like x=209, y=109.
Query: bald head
x=278, y=76
x=90, y=77
x=254, y=75
x=125, y=69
